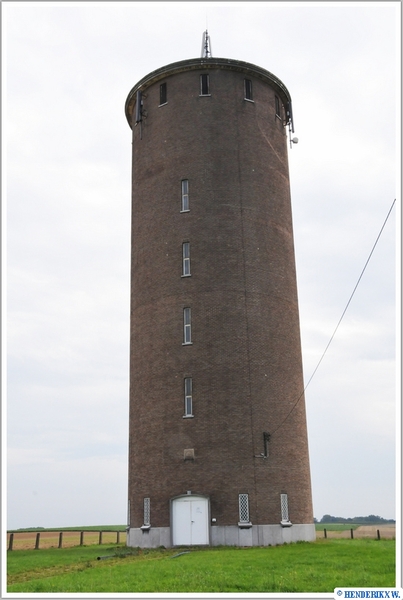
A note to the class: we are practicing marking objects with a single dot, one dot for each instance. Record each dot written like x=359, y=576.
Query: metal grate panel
x=147, y=511
x=284, y=507
x=244, y=508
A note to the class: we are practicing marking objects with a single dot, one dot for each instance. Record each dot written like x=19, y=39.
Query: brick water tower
x=218, y=450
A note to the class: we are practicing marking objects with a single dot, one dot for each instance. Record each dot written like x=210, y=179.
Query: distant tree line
x=364, y=520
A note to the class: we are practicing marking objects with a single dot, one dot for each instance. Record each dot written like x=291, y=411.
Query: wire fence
x=35, y=540
x=378, y=532
x=28, y=540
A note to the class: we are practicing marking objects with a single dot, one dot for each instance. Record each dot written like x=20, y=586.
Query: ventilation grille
x=243, y=508
x=146, y=511
x=284, y=507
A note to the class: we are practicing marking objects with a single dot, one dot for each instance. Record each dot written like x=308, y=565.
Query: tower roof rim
x=206, y=63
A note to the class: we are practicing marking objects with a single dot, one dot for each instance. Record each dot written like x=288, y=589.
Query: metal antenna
x=206, y=45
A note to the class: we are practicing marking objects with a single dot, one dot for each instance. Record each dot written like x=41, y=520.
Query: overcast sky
x=68, y=68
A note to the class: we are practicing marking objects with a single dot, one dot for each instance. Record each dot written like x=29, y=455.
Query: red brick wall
x=245, y=359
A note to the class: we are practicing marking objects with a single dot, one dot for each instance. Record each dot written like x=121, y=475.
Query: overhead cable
x=340, y=320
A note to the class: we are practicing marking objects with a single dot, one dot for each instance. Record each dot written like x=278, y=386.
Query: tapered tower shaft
x=217, y=414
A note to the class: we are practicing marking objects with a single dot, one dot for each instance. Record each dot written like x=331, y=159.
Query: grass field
x=302, y=567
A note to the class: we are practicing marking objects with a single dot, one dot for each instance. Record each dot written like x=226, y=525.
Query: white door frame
x=191, y=498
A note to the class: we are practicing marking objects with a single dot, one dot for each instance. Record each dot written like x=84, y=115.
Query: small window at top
x=185, y=195
x=248, y=89
x=163, y=93
x=278, y=107
x=204, y=85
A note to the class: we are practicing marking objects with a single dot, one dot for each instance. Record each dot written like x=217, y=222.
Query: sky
x=67, y=70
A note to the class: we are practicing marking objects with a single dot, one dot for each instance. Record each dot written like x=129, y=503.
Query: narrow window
x=187, y=333
x=285, y=520
x=278, y=109
x=185, y=259
x=139, y=106
x=185, y=195
x=243, y=508
x=248, y=89
x=147, y=521
x=266, y=440
x=188, y=397
x=163, y=93
x=204, y=85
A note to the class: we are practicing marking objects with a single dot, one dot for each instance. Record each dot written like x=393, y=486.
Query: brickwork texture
x=245, y=356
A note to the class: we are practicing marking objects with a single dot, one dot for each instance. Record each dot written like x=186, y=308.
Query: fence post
x=60, y=539
x=100, y=538
x=81, y=538
x=117, y=537
x=325, y=532
x=378, y=533
x=11, y=541
x=352, y=534
x=38, y=536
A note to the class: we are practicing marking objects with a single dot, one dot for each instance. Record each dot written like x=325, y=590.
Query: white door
x=190, y=521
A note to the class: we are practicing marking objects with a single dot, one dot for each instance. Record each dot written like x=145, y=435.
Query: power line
x=341, y=318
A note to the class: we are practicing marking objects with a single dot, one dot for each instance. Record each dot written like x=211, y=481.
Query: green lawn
x=302, y=567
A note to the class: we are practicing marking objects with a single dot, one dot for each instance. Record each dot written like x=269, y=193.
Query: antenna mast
x=206, y=45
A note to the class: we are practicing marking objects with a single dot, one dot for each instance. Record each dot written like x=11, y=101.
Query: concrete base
x=230, y=535
x=149, y=538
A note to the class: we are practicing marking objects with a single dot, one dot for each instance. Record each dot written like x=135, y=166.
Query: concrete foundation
x=257, y=535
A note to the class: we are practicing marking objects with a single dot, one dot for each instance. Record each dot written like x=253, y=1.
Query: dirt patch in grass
x=385, y=531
